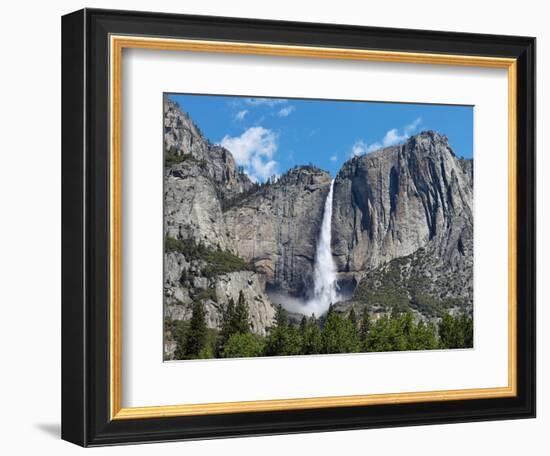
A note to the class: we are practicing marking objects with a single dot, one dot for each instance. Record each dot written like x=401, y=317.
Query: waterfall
x=324, y=273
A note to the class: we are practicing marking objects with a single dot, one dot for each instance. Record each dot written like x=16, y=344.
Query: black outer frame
x=85, y=227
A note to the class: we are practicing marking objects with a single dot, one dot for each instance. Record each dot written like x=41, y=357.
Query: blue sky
x=267, y=136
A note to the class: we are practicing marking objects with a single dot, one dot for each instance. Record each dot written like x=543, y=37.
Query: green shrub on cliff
x=171, y=158
x=217, y=261
x=221, y=262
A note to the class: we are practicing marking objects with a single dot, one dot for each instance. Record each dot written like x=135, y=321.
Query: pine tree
x=407, y=324
x=243, y=346
x=456, y=332
x=312, y=342
x=379, y=337
x=365, y=325
x=448, y=332
x=281, y=317
x=241, y=323
x=352, y=317
x=226, y=330
x=330, y=309
x=339, y=336
x=283, y=339
x=303, y=325
x=179, y=332
x=424, y=337
x=195, y=339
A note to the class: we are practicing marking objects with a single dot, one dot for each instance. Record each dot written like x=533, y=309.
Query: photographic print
x=308, y=227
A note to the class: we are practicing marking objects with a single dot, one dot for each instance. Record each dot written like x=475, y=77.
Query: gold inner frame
x=117, y=44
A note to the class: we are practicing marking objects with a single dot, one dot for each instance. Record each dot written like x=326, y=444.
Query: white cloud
x=241, y=114
x=392, y=137
x=262, y=169
x=333, y=158
x=286, y=111
x=361, y=147
x=254, y=150
x=413, y=126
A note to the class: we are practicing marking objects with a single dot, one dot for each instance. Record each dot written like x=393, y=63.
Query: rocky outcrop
x=425, y=282
x=182, y=138
x=199, y=176
x=276, y=228
x=405, y=225
x=184, y=283
x=390, y=203
x=192, y=209
x=175, y=265
x=213, y=312
x=252, y=285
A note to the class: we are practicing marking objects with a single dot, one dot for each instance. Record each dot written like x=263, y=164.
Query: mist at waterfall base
x=325, y=287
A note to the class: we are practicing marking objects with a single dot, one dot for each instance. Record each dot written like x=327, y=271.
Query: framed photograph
x=278, y=227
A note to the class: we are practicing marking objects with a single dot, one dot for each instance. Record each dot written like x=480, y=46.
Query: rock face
x=191, y=206
x=412, y=200
x=175, y=265
x=389, y=203
x=228, y=286
x=198, y=178
x=219, y=290
x=182, y=138
x=277, y=228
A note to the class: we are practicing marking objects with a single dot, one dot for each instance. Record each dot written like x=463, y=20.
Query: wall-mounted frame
x=96, y=408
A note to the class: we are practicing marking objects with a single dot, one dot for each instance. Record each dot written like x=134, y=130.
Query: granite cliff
x=276, y=228
x=199, y=176
x=389, y=203
x=410, y=204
